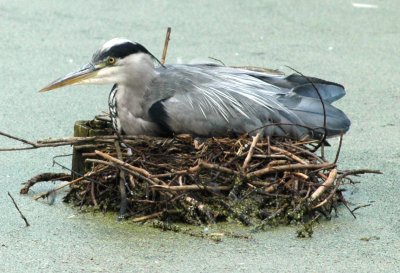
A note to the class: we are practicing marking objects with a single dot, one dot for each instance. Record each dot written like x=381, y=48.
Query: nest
x=249, y=179
x=259, y=182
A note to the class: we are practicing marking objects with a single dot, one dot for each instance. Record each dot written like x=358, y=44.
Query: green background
x=334, y=40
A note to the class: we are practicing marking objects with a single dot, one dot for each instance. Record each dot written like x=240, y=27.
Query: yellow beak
x=87, y=72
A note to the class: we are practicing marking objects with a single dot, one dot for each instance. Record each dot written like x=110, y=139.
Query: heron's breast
x=131, y=115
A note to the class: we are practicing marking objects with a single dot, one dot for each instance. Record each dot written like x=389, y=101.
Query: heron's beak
x=84, y=74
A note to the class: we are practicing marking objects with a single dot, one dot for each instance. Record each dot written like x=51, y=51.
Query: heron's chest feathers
x=128, y=101
x=131, y=112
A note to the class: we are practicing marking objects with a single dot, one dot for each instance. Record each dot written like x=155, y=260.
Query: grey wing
x=209, y=100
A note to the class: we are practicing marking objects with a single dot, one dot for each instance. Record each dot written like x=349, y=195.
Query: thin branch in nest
x=93, y=194
x=79, y=179
x=112, y=164
x=123, y=164
x=304, y=151
x=44, y=177
x=251, y=151
x=45, y=194
x=290, y=167
x=122, y=183
x=327, y=184
x=151, y=216
x=288, y=154
x=194, y=187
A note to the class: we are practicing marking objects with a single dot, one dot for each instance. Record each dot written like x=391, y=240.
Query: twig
x=122, y=182
x=359, y=207
x=341, y=198
x=304, y=151
x=123, y=164
x=194, y=187
x=148, y=217
x=279, y=162
x=43, y=195
x=339, y=148
x=18, y=139
x=290, y=167
x=118, y=166
x=44, y=177
x=357, y=172
x=164, y=54
x=93, y=194
x=288, y=154
x=327, y=184
x=57, y=142
x=251, y=151
x=20, y=213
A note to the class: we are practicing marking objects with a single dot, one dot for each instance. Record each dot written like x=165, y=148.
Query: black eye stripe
x=120, y=51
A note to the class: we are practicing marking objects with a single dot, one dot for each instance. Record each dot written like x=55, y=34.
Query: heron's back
x=212, y=100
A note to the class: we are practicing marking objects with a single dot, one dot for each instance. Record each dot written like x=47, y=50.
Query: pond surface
x=356, y=45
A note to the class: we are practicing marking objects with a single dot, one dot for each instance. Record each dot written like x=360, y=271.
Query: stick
x=18, y=139
x=307, y=152
x=20, y=213
x=123, y=164
x=251, y=152
x=63, y=141
x=134, y=173
x=289, y=167
x=44, y=177
x=192, y=188
x=151, y=216
x=356, y=172
x=164, y=54
x=338, y=150
x=288, y=154
x=43, y=195
x=201, y=165
x=122, y=182
x=327, y=184
x=93, y=195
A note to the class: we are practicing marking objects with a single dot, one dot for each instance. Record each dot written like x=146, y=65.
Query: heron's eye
x=111, y=60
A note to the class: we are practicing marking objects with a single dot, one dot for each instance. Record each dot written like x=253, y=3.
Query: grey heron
x=206, y=100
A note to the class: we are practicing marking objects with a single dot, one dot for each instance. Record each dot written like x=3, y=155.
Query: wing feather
x=211, y=100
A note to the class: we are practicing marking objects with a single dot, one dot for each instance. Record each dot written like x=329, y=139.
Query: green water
x=357, y=47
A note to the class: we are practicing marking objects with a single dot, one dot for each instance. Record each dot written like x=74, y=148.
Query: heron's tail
x=304, y=102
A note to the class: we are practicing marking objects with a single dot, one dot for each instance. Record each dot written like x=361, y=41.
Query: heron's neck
x=138, y=73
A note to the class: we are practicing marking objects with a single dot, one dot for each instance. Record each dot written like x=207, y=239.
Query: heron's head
x=115, y=62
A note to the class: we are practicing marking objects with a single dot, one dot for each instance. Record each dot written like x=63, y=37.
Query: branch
x=290, y=167
x=20, y=213
x=164, y=54
x=251, y=151
x=18, y=139
x=327, y=184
